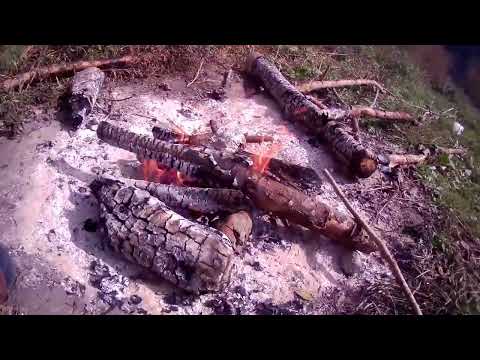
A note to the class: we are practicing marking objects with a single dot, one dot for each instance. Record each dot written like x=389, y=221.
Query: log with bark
x=299, y=109
x=63, y=69
x=145, y=231
x=235, y=171
x=394, y=160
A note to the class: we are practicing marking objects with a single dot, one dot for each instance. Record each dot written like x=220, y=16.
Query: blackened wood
x=86, y=86
x=300, y=110
x=202, y=200
x=145, y=231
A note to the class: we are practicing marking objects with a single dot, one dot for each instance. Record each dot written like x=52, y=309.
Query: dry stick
x=196, y=76
x=383, y=249
x=330, y=84
x=55, y=70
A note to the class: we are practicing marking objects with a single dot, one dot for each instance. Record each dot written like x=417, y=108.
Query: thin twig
x=383, y=207
x=382, y=247
x=374, y=103
x=118, y=99
x=196, y=76
x=339, y=98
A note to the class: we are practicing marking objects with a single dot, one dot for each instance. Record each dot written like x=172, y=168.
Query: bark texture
x=299, y=109
x=58, y=70
x=237, y=227
x=86, y=86
x=202, y=200
x=192, y=256
x=405, y=159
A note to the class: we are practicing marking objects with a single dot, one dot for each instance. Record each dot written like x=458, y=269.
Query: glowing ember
x=261, y=161
x=152, y=171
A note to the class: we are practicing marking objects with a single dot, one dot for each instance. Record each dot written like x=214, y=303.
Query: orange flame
x=152, y=171
x=261, y=161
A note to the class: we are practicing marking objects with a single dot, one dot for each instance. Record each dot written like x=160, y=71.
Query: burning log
x=86, y=86
x=299, y=109
x=192, y=256
x=58, y=70
x=328, y=84
x=236, y=171
x=202, y=200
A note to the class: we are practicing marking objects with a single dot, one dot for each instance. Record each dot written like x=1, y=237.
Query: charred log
x=86, y=86
x=299, y=109
x=202, y=200
x=192, y=256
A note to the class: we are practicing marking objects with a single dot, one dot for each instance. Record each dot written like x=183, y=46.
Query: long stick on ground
x=60, y=69
x=383, y=249
x=196, y=75
x=327, y=84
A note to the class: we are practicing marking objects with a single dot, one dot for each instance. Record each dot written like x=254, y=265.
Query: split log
x=202, y=200
x=145, y=231
x=328, y=84
x=61, y=70
x=86, y=86
x=299, y=109
x=235, y=171
x=237, y=227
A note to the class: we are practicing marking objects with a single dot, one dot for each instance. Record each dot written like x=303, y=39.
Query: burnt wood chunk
x=145, y=231
x=86, y=86
x=298, y=109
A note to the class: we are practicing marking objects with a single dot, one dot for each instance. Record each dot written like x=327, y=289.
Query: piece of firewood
x=381, y=246
x=85, y=88
x=300, y=110
x=219, y=169
x=328, y=84
x=145, y=231
x=202, y=200
x=61, y=70
x=237, y=227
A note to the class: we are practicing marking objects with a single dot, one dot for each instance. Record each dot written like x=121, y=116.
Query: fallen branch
x=61, y=70
x=190, y=255
x=382, y=247
x=201, y=200
x=407, y=159
x=329, y=84
x=196, y=75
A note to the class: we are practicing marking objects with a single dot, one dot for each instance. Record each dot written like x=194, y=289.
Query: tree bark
x=299, y=109
x=406, y=159
x=266, y=191
x=364, y=111
x=318, y=85
x=63, y=69
x=192, y=256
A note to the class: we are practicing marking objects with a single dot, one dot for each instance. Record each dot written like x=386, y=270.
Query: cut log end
x=366, y=167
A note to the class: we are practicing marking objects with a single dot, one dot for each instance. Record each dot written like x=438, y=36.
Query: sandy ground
x=45, y=201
